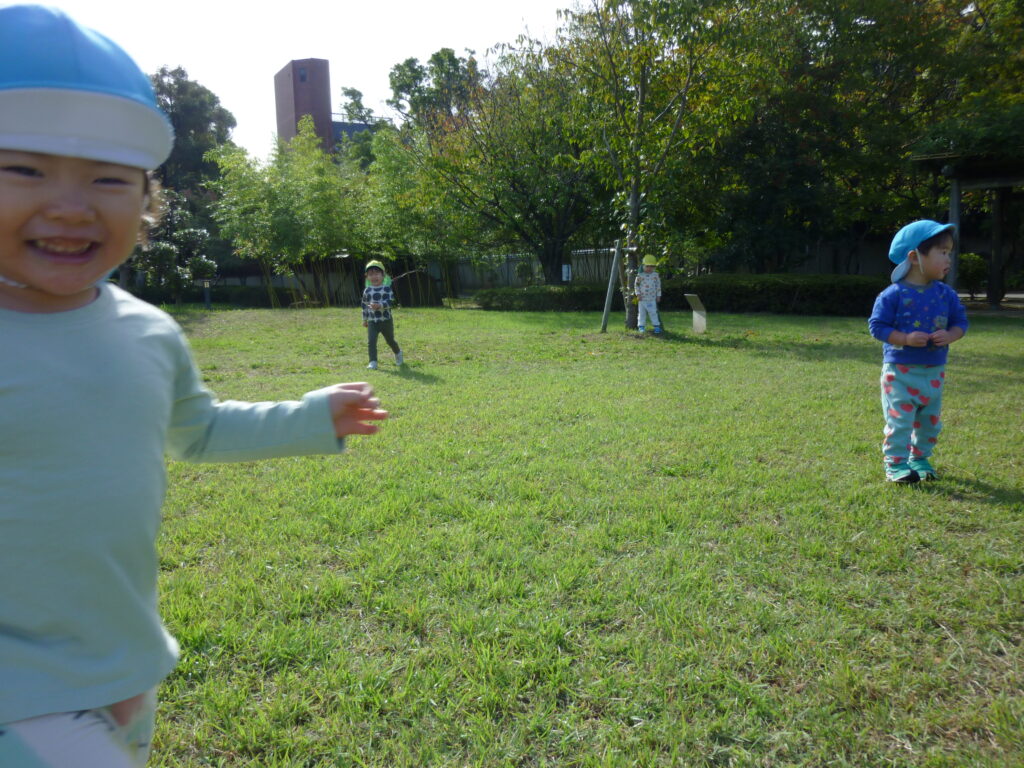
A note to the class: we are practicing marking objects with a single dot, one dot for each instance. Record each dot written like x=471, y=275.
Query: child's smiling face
x=65, y=223
x=375, y=276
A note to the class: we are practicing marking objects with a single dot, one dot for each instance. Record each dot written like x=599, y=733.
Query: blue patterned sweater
x=906, y=308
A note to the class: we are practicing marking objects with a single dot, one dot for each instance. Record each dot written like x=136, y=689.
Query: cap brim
x=85, y=124
x=900, y=271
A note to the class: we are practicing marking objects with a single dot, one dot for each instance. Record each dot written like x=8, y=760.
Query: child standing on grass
x=648, y=293
x=378, y=298
x=95, y=386
x=916, y=318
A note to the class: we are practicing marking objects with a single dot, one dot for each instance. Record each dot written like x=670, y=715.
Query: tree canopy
x=723, y=134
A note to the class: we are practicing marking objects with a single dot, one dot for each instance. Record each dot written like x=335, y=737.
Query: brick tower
x=303, y=87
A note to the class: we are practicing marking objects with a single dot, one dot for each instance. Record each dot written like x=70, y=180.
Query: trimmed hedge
x=241, y=296
x=547, y=298
x=842, y=295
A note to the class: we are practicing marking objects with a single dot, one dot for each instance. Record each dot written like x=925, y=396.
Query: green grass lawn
x=568, y=548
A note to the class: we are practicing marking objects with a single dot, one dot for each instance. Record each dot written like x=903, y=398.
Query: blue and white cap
x=908, y=239
x=68, y=90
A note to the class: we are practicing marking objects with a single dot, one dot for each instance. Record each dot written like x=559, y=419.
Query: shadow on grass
x=957, y=486
x=188, y=317
x=411, y=374
x=808, y=350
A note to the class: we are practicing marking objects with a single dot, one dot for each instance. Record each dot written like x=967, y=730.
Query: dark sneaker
x=901, y=473
x=924, y=469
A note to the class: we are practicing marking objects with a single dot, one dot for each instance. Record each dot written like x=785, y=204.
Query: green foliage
x=201, y=125
x=292, y=213
x=985, y=121
x=175, y=253
x=832, y=295
x=499, y=145
x=972, y=272
x=647, y=72
x=546, y=298
x=844, y=295
x=437, y=93
x=406, y=211
x=740, y=136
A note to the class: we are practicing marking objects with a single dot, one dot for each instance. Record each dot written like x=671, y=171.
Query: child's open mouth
x=62, y=249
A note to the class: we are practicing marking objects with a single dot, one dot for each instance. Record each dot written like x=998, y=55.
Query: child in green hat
x=378, y=299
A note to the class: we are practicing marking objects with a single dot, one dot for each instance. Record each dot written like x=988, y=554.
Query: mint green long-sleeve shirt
x=90, y=402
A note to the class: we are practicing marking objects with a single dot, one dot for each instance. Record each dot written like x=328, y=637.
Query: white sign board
x=700, y=315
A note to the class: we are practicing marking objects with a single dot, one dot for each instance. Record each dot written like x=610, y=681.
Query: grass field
x=568, y=548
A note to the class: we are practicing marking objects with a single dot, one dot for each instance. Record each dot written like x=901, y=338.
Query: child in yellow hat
x=648, y=294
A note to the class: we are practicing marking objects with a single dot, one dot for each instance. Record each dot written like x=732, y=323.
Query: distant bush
x=972, y=273
x=837, y=295
x=242, y=296
x=547, y=298
x=841, y=295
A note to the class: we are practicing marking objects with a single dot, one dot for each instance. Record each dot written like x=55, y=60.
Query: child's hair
x=926, y=245
x=155, y=208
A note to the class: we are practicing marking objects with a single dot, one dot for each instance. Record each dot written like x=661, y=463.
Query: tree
x=983, y=131
x=406, y=215
x=824, y=155
x=643, y=69
x=359, y=146
x=175, y=254
x=291, y=214
x=500, y=147
x=200, y=125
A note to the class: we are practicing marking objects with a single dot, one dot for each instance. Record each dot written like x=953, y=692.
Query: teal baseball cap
x=908, y=239
x=68, y=90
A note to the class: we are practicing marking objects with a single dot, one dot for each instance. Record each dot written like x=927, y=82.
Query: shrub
x=972, y=273
x=842, y=295
x=837, y=295
x=546, y=298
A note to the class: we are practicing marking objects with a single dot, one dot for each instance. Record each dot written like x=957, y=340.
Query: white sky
x=235, y=47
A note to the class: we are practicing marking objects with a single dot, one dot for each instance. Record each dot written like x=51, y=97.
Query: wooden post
x=616, y=257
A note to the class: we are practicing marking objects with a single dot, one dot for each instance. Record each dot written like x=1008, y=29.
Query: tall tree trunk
x=631, y=255
x=551, y=260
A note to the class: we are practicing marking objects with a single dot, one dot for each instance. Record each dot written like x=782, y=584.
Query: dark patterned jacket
x=381, y=294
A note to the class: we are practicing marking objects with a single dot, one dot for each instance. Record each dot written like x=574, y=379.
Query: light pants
x=647, y=307
x=87, y=739
x=912, y=404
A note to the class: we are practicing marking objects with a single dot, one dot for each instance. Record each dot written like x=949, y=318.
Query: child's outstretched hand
x=352, y=406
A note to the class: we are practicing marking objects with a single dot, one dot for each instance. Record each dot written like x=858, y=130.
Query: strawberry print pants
x=912, y=404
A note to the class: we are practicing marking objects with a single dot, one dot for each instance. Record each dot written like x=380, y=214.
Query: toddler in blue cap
x=95, y=387
x=916, y=319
